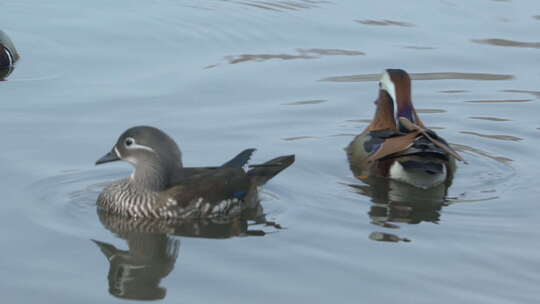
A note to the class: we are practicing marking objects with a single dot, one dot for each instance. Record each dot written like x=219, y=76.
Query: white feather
x=388, y=85
x=424, y=181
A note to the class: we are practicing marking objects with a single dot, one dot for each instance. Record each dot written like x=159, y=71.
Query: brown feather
x=402, y=82
x=411, y=126
x=394, y=145
x=384, y=115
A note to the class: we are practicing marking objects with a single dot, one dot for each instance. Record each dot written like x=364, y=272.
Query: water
x=283, y=77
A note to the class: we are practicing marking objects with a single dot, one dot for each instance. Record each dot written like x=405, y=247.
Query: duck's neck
x=406, y=109
x=384, y=115
x=152, y=177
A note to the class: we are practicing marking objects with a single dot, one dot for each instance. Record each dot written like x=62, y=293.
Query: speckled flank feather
x=124, y=198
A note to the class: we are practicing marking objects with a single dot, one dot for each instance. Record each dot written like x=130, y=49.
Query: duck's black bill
x=109, y=157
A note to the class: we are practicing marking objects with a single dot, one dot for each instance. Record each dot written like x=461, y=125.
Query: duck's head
x=153, y=153
x=6, y=58
x=143, y=144
x=396, y=85
x=8, y=55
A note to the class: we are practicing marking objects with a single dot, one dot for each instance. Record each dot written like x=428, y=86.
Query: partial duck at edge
x=8, y=55
x=396, y=144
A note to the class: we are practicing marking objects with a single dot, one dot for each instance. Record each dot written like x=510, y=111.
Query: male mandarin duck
x=396, y=144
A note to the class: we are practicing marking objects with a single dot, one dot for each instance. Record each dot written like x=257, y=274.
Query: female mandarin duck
x=161, y=187
x=396, y=144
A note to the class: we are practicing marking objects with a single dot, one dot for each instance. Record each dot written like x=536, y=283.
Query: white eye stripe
x=10, y=58
x=131, y=144
x=137, y=146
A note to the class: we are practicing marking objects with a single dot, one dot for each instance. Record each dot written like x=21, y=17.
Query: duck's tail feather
x=432, y=136
x=107, y=249
x=429, y=166
x=262, y=173
x=239, y=160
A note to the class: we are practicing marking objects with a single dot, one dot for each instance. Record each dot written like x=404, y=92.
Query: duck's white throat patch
x=388, y=85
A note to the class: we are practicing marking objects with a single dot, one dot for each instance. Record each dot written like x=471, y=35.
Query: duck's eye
x=129, y=142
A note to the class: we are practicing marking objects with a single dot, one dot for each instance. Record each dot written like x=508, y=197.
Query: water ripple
x=534, y=93
x=70, y=200
x=314, y=53
x=453, y=91
x=423, y=76
x=499, y=159
x=489, y=118
x=497, y=137
x=507, y=43
x=298, y=138
x=385, y=23
x=305, y=102
x=430, y=111
x=420, y=48
x=498, y=100
x=282, y=6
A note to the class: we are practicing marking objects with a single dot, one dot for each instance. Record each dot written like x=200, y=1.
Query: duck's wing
x=221, y=191
x=214, y=193
x=239, y=161
x=432, y=137
x=382, y=145
x=418, y=141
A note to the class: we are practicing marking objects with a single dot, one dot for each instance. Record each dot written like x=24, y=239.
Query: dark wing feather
x=224, y=185
x=238, y=161
x=212, y=187
x=432, y=136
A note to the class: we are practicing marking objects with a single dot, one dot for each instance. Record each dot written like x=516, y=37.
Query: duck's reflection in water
x=152, y=251
x=395, y=203
x=137, y=272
